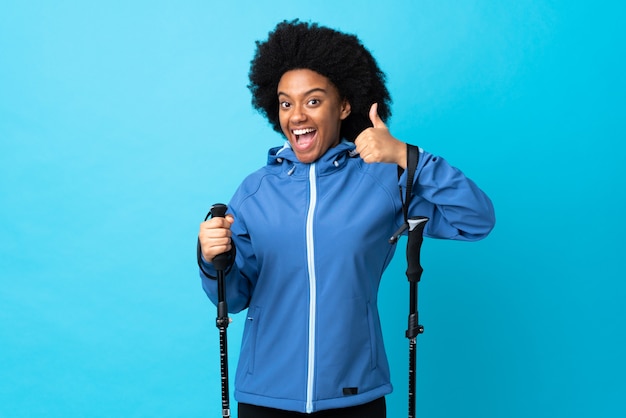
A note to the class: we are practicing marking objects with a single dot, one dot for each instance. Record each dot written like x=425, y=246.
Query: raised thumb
x=376, y=120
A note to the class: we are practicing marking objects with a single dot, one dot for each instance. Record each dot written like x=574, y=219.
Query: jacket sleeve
x=458, y=209
x=238, y=286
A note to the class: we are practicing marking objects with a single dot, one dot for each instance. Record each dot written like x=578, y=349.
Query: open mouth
x=304, y=136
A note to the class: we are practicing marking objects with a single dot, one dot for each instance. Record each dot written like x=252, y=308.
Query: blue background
x=122, y=122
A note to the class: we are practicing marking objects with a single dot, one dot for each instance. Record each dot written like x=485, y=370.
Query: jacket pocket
x=249, y=343
x=373, y=339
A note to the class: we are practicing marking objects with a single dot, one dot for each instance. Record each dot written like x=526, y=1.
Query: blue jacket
x=312, y=245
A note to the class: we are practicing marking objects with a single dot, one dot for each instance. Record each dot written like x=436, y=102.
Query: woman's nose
x=298, y=114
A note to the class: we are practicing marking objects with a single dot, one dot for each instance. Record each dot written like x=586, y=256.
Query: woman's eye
x=285, y=105
x=313, y=102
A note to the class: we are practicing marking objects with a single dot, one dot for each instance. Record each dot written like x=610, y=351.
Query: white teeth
x=302, y=131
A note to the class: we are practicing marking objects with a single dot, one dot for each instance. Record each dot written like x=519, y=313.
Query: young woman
x=308, y=233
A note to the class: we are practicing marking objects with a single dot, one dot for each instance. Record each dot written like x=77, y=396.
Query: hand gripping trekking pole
x=414, y=273
x=221, y=262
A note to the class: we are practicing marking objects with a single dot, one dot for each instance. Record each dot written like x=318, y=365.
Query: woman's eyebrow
x=306, y=93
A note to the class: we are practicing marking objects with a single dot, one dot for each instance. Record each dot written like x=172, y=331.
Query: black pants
x=374, y=409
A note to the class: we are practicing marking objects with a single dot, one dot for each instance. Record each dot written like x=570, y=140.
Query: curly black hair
x=340, y=57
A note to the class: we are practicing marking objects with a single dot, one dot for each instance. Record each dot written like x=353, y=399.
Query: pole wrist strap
x=412, y=158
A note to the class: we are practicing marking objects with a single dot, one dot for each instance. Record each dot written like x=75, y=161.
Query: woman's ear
x=345, y=109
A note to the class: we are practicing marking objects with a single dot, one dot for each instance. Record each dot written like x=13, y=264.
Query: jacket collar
x=335, y=158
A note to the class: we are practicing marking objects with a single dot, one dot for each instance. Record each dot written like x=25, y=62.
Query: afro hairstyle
x=338, y=56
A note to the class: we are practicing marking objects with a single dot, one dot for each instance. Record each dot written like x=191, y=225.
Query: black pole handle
x=220, y=261
x=218, y=210
x=413, y=249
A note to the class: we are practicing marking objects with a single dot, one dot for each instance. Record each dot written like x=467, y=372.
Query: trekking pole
x=220, y=262
x=414, y=273
x=414, y=270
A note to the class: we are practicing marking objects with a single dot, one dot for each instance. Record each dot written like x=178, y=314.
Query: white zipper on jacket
x=312, y=287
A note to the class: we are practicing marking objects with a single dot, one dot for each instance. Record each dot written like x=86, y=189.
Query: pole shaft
x=222, y=324
x=412, y=376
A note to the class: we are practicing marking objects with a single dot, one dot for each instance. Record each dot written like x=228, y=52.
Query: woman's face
x=310, y=113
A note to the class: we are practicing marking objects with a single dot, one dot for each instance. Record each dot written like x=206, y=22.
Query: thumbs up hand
x=377, y=145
